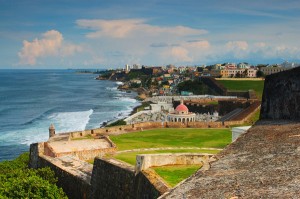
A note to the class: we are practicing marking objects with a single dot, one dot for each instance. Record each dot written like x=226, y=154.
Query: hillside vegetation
x=18, y=181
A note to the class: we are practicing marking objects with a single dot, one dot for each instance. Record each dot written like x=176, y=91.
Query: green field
x=175, y=174
x=130, y=157
x=241, y=85
x=169, y=137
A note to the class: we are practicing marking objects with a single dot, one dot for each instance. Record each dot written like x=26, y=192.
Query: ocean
x=30, y=100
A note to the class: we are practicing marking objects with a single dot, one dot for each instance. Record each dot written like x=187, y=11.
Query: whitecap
x=38, y=131
x=70, y=121
x=127, y=99
x=111, y=88
x=119, y=83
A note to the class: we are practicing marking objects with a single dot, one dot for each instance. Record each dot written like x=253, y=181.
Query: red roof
x=181, y=107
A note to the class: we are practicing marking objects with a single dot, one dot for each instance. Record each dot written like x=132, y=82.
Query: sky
x=40, y=34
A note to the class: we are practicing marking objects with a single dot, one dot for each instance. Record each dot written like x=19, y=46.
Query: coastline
x=141, y=95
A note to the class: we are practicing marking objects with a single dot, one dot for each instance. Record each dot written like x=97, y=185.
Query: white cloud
x=180, y=54
x=132, y=27
x=237, y=45
x=51, y=44
x=201, y=44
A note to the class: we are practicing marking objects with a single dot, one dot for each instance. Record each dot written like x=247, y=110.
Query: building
x=181, y=114
x=243, y=65
x=251, y=72
x=272, y=70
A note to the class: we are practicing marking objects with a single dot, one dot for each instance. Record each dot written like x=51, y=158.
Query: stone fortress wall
x=110, y=178
x=281, y=96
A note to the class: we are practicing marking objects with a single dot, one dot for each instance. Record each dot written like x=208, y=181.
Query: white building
x=181, y=114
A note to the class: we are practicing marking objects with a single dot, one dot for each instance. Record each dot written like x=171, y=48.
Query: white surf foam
x=38, y=131
x=70, y=121
x=127, y=99
x=119, y=83
x=111, y=88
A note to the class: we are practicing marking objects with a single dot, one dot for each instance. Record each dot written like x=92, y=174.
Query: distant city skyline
x=109, y=34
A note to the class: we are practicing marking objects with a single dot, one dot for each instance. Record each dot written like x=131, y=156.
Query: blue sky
x=108, y=34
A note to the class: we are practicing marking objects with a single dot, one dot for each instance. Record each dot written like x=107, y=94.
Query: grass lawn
x=168, y=137
x=241, y=85
x=130, y=157
x=175, y=174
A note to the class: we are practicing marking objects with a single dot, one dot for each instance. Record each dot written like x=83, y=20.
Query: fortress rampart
x=281, y=96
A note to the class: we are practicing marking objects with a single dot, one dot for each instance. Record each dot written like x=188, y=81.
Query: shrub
x=18, y=181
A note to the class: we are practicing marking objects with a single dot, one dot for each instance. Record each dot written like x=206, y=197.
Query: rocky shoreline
x=142, y=94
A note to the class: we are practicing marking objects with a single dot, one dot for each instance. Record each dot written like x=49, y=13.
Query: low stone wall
x=248, y=112
x=149, y=184
x=213, y=84
x=111, y=179
x=74, y=186
x=225, y=124
x=116, y=129
x=115, y=179
x=145, y=161
x=81, y=154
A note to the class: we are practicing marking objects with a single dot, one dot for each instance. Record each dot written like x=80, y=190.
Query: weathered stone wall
x=248, y=112
x=116, y=129
x=213, y=84
x=82, y=154
x=145, y=161
x=281, y=96
x=220, y=89
x=36, y=149
x=73, y=186
x=115, y=179
x=228, y=106
x=112, y=180
x=148, y=184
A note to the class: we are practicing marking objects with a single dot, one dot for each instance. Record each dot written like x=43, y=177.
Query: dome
x=182, y=107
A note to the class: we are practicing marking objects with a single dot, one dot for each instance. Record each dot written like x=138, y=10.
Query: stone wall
x=115, y=179
x=82, y=154
x=281, y=96
x=36, y=149
x=73, y=186
x=149, y=184
x=116, y=129
x=110, y=179
x=145, y=161
x=213, y=84
x=220, y=89
x=195, y=107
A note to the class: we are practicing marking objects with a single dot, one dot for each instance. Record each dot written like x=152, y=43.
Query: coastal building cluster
x=168, y=80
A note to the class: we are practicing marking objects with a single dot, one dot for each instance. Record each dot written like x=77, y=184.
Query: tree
x=259, y=73
x=197, y=87
x=117, y=123
x=18, y=181
x=238, y=75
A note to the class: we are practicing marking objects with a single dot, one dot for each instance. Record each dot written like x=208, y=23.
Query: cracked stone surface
x=262, y=163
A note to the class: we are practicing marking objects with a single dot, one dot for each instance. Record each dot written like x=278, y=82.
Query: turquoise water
x=30, y=100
